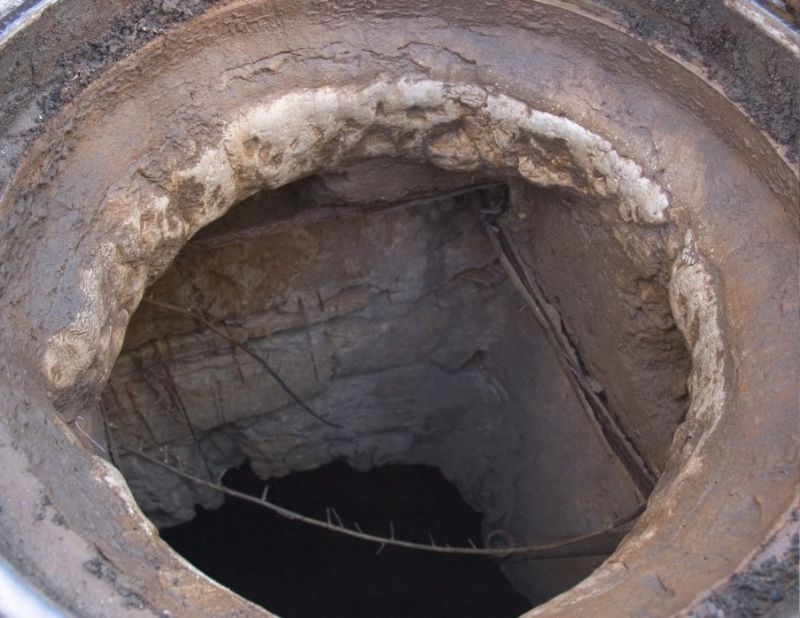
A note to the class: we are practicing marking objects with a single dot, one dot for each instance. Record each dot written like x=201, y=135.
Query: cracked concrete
x=463, y=128
x=399, y=326
x=74, y=260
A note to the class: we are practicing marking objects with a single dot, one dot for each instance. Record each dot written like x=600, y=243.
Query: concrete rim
x=741, y=271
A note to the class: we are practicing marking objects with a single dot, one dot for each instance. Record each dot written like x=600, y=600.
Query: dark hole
x=297, y=571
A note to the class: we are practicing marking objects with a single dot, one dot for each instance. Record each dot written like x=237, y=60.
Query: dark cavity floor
x=299, y=572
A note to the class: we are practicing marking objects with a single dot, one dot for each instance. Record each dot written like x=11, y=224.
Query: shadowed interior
x=349, y=577
x=639, y=198
x=389, y=312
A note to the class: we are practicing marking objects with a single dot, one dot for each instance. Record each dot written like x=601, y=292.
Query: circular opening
x=642, y=226
x=389, y=313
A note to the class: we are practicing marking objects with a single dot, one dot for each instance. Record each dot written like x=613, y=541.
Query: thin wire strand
x=244, y=348
x=547, y=550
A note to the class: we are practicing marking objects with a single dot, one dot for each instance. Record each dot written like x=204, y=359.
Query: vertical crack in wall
x=588, y=391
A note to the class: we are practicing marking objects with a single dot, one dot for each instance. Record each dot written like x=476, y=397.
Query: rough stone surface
x=458, y=127
x=401, y=327
x=643, y=374
x=82, y=194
